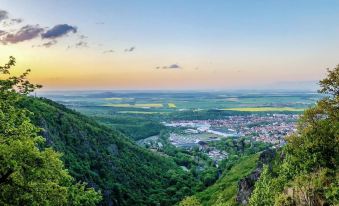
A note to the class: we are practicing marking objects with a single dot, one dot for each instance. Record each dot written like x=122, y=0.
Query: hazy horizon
x=281, y=86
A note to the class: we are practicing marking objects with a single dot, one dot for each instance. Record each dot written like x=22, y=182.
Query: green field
x=139, y=112
x=145, y=105
x=116, y=101
x=165, y=106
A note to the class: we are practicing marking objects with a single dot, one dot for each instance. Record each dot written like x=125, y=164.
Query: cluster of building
x=190, y=141
x=270, y=128
x=196, y=134
x=217, y=155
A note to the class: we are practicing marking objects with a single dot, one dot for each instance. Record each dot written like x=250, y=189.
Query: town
x=269, y=128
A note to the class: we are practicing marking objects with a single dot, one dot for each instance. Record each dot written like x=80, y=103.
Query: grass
x=154, y=105
x=171, y=105
x=264, y=109
x=225, y=189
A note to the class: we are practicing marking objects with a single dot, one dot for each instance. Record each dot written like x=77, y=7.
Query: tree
x=190, y=201
x=315, y=145
x=29, y=173
x=263, y=193
x=308, y=174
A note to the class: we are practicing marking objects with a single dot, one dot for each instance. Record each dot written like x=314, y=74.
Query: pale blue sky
x=289, y=34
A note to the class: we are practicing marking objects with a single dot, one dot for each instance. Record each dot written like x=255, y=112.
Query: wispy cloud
x=174, y=66
x=46, y=44
x=81, y=36
x=11, y=22
x=6, y=20
x=108, y=51
x=2, y=33
x=131, y=49
x=49, y=44
x=3, y=15
x=81, y=44
x=171, y=66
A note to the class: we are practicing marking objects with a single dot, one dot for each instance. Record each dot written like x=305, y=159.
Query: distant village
x=270, y=128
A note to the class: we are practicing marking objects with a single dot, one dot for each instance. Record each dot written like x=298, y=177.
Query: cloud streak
x=171, y=66
x=11, y=22
x=49, y=44
x=131, y=49
x=108, y=51
x=3, y=15
x=81, y=44
x=6, y=20
x=2, y=33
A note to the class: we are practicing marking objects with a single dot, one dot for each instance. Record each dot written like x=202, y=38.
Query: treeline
x=134, y=127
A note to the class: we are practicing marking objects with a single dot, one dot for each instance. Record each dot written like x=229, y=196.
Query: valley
x=169, y=103
x=204, y=134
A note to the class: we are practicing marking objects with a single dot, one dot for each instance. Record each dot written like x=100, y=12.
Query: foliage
x=224, y=191
x=190, y=201
x=136, y=128
x=264, y=192
x=108, y=160
x=308, y=174
x=29, y=174
x=311, y=189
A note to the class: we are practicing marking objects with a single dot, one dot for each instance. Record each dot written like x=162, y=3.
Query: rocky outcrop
x=246, y=185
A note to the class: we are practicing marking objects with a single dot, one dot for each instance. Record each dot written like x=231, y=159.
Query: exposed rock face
x=246, y=185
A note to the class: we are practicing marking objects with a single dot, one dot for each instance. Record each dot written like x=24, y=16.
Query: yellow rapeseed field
x=171, y=105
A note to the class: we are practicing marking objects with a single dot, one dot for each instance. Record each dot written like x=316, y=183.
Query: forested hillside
x=126, y=173
x=31, y=174
x=225, y=189
x=95, y=156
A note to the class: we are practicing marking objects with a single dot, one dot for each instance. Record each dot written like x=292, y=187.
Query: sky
x=171, y=45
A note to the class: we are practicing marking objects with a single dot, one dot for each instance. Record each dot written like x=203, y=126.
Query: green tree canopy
x=308, y=174
x=29, y=173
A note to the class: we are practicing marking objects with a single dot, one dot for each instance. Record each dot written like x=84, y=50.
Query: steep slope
x=224, y=191
x=125, y=173
x=247, y=184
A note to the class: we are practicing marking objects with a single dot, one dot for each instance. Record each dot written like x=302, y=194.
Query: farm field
x=147, y=102
x=154, y=105
x=141, y=114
